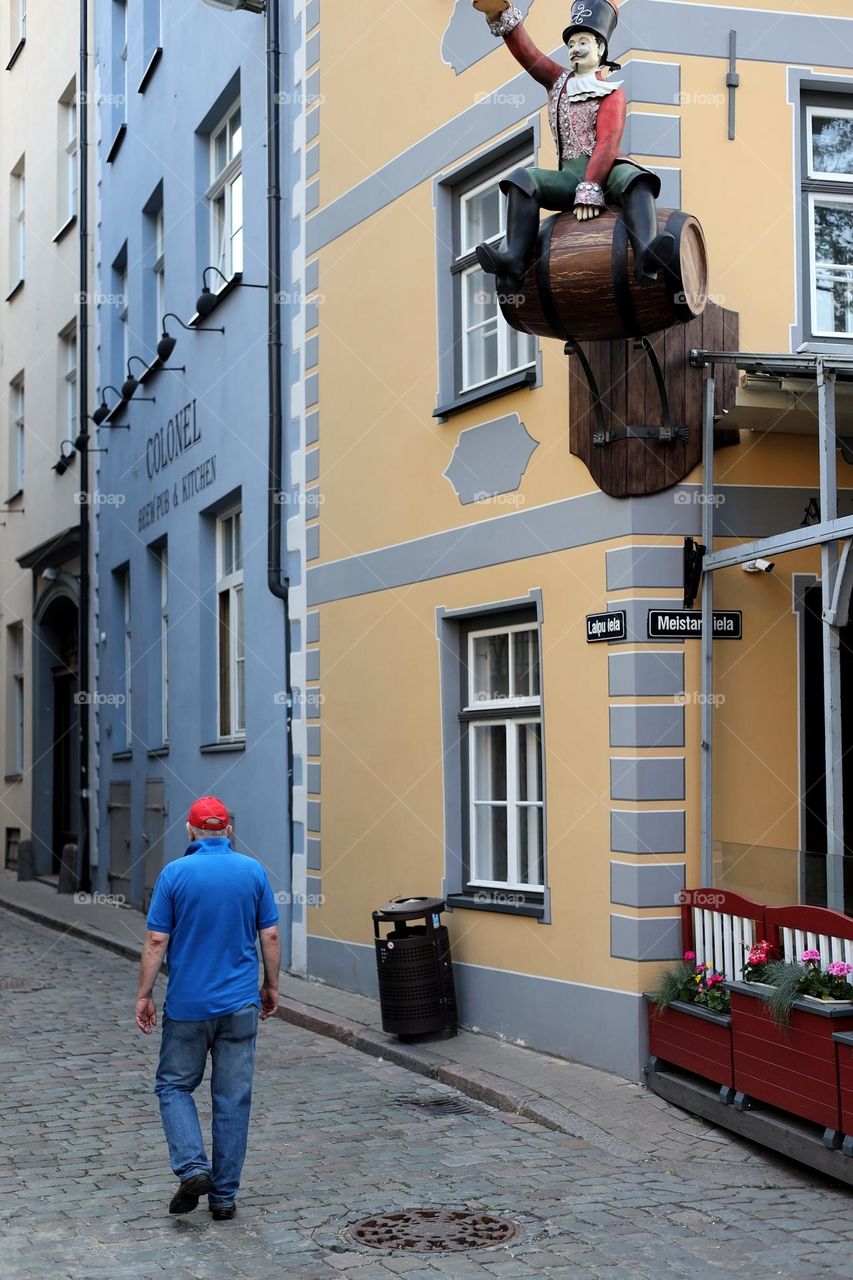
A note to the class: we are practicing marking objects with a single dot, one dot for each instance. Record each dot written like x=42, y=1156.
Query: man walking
x=208, y=909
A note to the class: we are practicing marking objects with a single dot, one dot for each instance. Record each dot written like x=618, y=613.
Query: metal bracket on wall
x=732, y=82
x=573, y=349
x=667, y=433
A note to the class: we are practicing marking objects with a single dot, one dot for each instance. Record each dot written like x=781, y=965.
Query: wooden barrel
x=582, y=283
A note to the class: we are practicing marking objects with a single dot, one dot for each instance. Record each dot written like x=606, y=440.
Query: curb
x=475, y=1083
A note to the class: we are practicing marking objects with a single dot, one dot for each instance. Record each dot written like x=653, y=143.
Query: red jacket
x=610, y=124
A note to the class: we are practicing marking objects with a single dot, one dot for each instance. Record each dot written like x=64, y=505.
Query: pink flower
x=689, y=955
x=810, y=955
x=839, y=969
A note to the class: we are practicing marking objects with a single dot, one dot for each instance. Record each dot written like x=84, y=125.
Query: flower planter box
x=844, y=1059
x=694, y=1038
x=791, y=1067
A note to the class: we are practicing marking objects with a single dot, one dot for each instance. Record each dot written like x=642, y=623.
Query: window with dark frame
x=827, y=123
x=502, y=760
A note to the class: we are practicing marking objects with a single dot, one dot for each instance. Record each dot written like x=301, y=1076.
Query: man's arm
x=505, y=20
x=271, y=953
x=153, y=954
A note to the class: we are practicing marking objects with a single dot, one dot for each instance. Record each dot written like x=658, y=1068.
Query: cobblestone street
x=85, y=1182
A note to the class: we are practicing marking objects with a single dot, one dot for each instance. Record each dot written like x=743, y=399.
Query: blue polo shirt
x=212, y=904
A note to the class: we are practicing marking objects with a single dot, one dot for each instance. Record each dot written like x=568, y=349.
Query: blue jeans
x=230, y=1040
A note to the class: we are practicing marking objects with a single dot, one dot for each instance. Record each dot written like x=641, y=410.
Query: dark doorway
x=64, y=753
x=814, y=764
x=56, y=732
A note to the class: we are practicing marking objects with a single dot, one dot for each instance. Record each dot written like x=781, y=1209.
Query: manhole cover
x=433, y=1231
x=15, y=982
x=448, y=1106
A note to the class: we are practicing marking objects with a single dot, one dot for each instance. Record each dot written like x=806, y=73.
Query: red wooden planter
x=697, y=1039
x=844, y=1058
x=793, y=1067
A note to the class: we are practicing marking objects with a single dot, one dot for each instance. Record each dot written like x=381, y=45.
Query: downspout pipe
x=83, y=665
x=277, y=580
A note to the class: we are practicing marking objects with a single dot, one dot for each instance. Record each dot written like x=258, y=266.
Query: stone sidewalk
x=338, y=1135
x=610, y=1113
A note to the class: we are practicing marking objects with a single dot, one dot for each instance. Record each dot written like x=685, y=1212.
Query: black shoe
x=222, y=1212
x=189, y=1193
x=660, y=255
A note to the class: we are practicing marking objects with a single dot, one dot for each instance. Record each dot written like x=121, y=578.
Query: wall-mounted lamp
x=233, y=6
x=207, y=299
x=103, y=410
x=128, y=387
x=65, y=459
x=166, y=345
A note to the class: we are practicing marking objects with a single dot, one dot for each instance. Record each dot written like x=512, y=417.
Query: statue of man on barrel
x=586, y=110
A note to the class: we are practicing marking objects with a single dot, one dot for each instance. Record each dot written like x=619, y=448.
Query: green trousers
x=556, y=187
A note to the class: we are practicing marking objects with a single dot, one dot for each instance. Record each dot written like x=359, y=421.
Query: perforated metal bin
x=416, y=992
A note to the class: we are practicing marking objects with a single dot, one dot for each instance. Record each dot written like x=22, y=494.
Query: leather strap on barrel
x=619, y=278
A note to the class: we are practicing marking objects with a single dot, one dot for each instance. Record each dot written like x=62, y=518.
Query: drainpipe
x=84, y=710
x=277, y=580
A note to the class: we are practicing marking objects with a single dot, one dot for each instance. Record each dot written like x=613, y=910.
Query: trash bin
x=416, y=992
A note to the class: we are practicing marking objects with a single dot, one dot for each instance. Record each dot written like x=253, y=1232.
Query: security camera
x=758, y=566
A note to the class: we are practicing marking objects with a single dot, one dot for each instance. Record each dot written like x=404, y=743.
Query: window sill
x=13, y=777
x=16, y=53
x=149, y=70
x=123, y=755
x=156, y=752
x=18, y=493
x=219, y=296
x=66, y=226
x=497, y=387
x=15, y=287
x=116, y=142
x=225, y=744
x=483, y=900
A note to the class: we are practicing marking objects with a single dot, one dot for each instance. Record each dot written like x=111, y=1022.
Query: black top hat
x=598, y=16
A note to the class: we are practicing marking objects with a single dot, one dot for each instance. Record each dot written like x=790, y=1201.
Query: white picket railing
x=722, y=939
x=796, y=941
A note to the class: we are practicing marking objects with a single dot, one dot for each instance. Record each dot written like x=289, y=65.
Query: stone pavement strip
x=335, y=1136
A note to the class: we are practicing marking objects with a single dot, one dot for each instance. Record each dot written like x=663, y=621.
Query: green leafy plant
x=792, y=979
x=694, y=984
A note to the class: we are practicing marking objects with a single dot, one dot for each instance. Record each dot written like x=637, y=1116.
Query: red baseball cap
x=208, y=814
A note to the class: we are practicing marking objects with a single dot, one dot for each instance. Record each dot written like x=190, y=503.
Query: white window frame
x=824, y=113
x=69, y=147
x=68, y=339
x=504, y=369
x=127, y=625
x=22, y=19
x=18, y=222
x=512, y=804
x=224, y=234
x=124, y=321
x=824, y=198
x=159, y=269
x=17, y=458
x=163, y=559
x=230, y=667
x=123, y=58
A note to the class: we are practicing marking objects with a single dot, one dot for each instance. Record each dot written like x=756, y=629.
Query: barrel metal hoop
x=543, y=281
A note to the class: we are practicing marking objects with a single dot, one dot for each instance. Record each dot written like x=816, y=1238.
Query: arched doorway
x=56, y=726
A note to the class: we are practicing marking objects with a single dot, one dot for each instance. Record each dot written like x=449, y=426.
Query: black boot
x=652, y=252
x=509, y=262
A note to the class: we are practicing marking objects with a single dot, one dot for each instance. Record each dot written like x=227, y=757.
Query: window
x=164, y=641
x=159, y=269
x=17, y=228
x=230, y=648
x=829, y=208
x=127, y=658
x=225, y=196
x=479, y=355
x=152, y=27
x=21, y=6
x=68, y=346
x=119, y=325
x=490, y=348
x=503, y=714
x=118, y=75
x=154, y=268
x=15, y=651
x=67, y=186
x=17, y=437
x=13, y=840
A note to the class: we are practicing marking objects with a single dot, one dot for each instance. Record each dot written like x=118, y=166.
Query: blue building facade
x=190, y=641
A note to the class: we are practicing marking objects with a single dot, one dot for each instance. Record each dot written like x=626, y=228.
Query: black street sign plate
x=678, y=624
x=605, y=626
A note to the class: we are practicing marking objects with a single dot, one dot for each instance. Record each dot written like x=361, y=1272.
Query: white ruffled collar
x=582, y=87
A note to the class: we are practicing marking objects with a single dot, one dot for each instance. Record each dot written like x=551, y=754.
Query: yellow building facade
x=461, y=736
